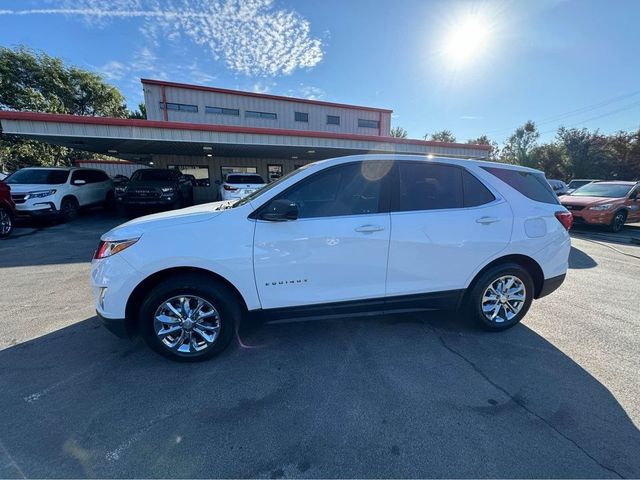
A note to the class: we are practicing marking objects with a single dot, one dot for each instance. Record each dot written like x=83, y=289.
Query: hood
x=584, y=201
x=138, y=226
x=26, y=187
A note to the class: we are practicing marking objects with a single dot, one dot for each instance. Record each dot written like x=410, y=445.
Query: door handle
x=487, y=220
x=369, y=228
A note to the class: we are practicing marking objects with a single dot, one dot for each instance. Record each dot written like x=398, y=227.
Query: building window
x=275, y=172
x=368, y=123
x=223, y=111
x=224, y=171
x=252, y=114
x=302, y=117
x=179, y=106
x=333, y=120
x=197, y=174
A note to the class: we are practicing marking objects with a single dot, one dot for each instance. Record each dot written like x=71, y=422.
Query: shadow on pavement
x=393, y=396
x=578, y=259
x=49, y=243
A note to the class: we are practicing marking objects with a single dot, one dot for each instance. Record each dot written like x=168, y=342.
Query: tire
x=6, y=223
x=220, y=307
x=109, y=202
x=69, y=209
x=509, y=312
x=617, y=223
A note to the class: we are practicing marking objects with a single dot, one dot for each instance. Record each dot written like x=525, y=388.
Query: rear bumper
x=117, y=326
x=550, y=285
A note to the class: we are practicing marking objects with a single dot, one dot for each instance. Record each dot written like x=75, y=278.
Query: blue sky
x=557, y=62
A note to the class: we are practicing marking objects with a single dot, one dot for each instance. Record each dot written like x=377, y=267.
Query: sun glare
x=465, y=40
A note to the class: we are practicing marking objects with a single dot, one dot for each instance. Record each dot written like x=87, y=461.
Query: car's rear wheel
x=189, y=318
x=501, y=297
x=618, y=221
x=69, y=209
x=6, y=223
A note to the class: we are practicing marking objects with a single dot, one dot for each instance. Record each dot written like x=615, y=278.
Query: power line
x=613, y=112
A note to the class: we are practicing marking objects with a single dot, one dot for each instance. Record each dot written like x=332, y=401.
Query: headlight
x=108, y=248
x=167, y=189
x=606, y=206
x=120, y=189
x=40, y=194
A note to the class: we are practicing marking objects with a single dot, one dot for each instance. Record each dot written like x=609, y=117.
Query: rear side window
x=531, y=185
x=425, y=186
x=474, y=192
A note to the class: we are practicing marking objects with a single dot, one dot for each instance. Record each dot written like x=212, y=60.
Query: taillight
x=229, y=187
x=565, y=218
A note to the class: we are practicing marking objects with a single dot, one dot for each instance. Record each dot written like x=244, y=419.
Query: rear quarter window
x=474, y=192
x=531, y=185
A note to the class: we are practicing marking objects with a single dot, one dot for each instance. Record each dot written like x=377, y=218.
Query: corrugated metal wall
x=284, y=109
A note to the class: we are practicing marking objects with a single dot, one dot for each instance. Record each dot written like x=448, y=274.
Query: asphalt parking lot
x=420, y=395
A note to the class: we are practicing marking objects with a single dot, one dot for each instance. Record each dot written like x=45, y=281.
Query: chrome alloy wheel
x=503, y=299
x=187, y=324
x=5, y=222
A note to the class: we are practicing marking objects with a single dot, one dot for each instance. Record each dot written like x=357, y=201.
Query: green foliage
x=35, y=81
x=518, y=147
x=398, y=132
x=441, y=136
x=140, y=114
x=494, y=154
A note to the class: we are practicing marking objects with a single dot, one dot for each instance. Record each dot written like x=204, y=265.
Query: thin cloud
x=252, y=37
x=470, y=117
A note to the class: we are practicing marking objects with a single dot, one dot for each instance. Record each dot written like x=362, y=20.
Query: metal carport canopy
x=137, y=139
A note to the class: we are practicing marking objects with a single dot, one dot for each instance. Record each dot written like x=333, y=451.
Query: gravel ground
x=420, y=395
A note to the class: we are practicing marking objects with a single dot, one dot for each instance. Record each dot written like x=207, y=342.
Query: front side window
x=333, y=120
x=39, y=176
x=351, y=189
x=531, y=185
x=426, y=186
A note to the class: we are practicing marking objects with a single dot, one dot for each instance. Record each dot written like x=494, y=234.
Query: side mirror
x=281, y=210
x=79, y=182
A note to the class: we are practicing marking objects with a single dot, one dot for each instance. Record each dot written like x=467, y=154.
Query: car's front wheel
x=69, y=209
x=6, y=223
x=189, y=318
x=618, y=221
x=501, y=297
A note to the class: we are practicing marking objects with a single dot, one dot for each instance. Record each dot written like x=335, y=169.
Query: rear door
x=444, y=224
x=337, y=249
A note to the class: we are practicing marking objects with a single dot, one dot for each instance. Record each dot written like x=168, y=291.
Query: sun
x=465, y=40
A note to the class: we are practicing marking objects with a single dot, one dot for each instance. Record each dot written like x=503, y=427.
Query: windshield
x=610, y=190
x=578, y=183
x=38, y=177
x=266, y=188
x=244, y=179
x=152, y=176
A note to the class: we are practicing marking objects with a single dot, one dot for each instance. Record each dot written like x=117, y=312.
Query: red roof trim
x=130, y=122
x=162, y=83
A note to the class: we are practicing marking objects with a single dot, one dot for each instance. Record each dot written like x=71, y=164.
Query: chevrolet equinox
x=369, y=233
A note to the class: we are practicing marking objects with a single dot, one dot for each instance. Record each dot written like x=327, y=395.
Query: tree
x=441, y=136
x=552, y=159
x=494, y=153
x=398, y=132
x=141, y=113
x=517, y=149
x=35, y=81
x=588, y=152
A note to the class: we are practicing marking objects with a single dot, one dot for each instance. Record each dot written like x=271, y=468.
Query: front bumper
x=592, y=217
x=550, y=285
x=146, y=202
x=40, y=209
x=117, y=326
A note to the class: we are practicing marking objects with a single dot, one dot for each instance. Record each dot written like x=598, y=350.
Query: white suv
x=239, y=185
x=59, y=191
x=364, y=233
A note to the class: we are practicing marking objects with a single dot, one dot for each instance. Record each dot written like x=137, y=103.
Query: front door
x=337, y=249
x=445, y=223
